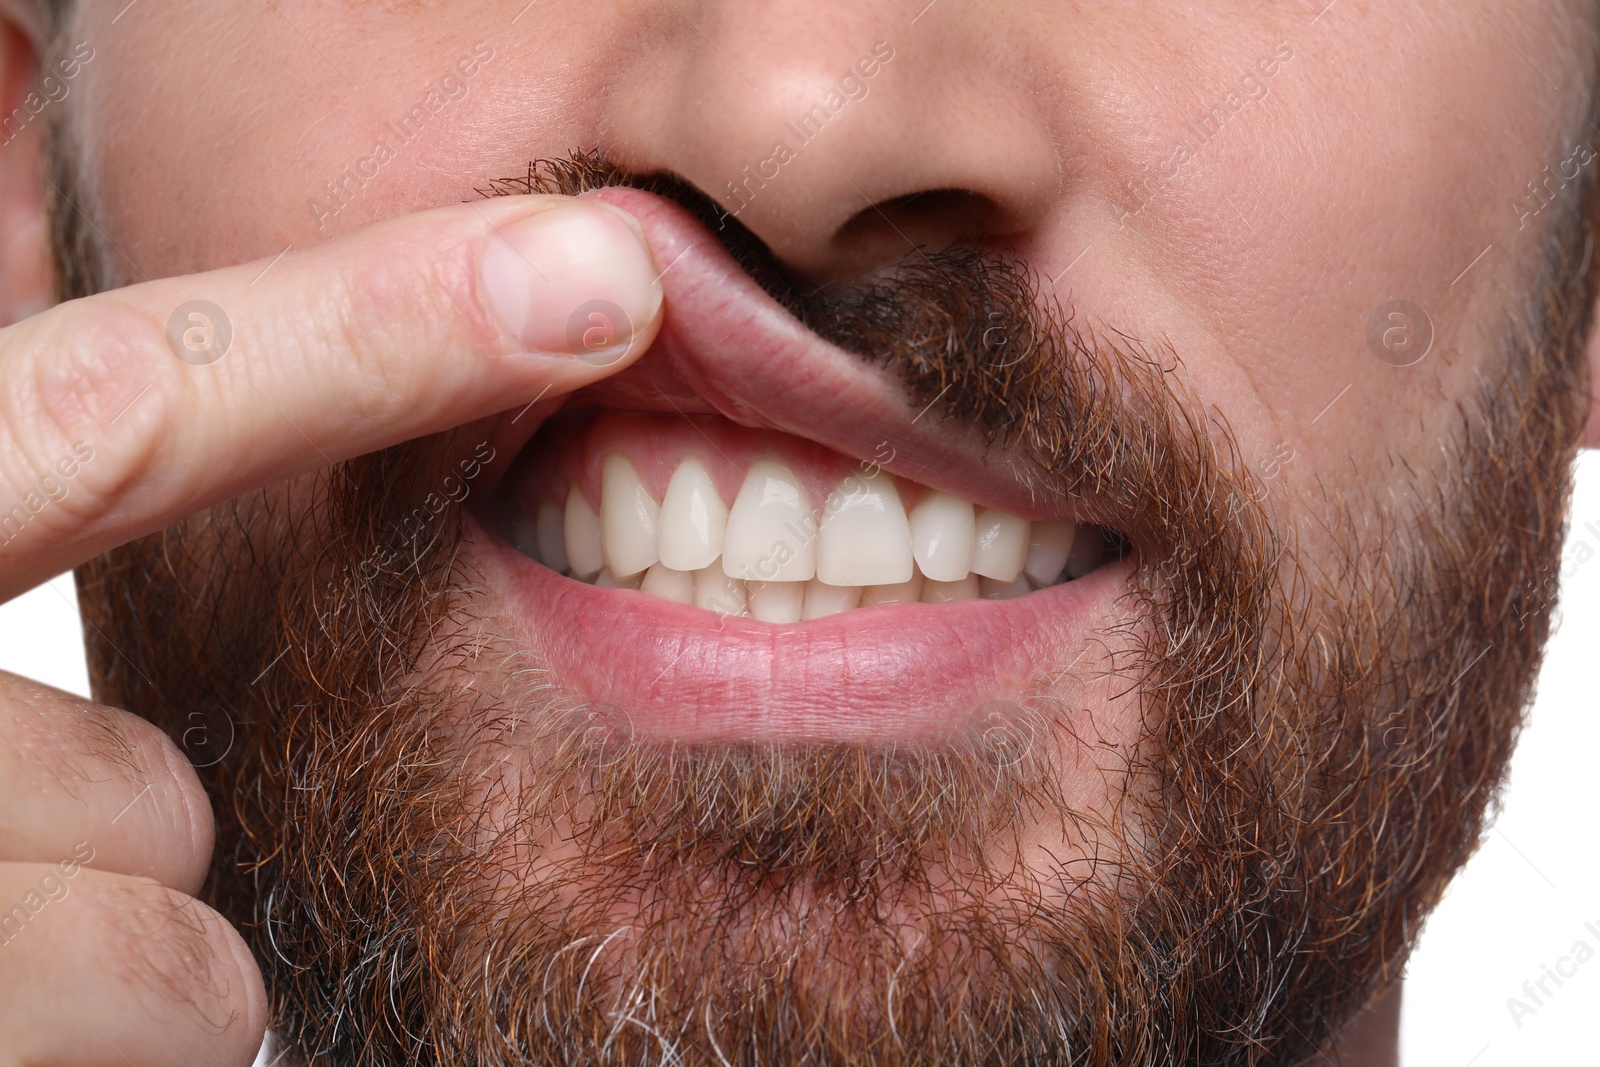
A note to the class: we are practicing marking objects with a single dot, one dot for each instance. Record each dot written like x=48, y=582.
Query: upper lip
x=727, y=347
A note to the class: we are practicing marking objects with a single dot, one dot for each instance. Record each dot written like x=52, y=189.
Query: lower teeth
x=789, y=602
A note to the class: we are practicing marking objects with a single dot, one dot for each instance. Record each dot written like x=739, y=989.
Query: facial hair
x=504, y=877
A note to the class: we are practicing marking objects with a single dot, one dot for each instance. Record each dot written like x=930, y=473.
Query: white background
x=1520, y=905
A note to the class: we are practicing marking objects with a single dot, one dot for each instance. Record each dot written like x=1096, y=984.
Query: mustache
x=956, y=323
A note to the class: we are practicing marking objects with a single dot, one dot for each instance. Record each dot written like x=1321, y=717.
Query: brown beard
x=425, y=878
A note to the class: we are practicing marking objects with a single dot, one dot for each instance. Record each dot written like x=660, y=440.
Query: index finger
x=120, y=413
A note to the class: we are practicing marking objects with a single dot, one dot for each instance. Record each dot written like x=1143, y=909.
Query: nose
x=843, y=135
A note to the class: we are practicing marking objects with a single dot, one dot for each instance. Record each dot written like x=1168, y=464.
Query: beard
x=435, y=870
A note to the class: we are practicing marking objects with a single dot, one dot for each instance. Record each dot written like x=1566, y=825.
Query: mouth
x=752, y=535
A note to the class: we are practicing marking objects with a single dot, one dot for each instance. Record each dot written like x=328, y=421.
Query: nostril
x=930, y=218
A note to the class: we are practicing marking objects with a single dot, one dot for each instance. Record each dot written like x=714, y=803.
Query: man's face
x=1278, y=307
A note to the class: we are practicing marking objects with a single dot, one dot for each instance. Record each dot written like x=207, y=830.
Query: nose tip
x=839, y=148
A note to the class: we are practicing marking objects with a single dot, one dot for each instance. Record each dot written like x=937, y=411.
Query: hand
x=113, y=424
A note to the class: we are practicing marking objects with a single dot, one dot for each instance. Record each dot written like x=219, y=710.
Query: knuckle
x=90, y=359
x=177, y=949
x=85, y=744
x=71, y=740
x=59, y=397
x=77, y=746
x=134, y=948
x=155, y=761
x=119, y=739
x=190, y=820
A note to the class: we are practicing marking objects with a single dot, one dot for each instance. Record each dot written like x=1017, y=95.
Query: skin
x=1261, y=261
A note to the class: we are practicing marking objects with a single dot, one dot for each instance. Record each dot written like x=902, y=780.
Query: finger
x=111, y=428
x=97, y=786
x=100, y=969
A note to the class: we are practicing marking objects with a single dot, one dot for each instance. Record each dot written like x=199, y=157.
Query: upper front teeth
x=771, y=532
x=942, y=535
x=772, y=558
x=865, y=538
x=629, y=518
x=694, y=520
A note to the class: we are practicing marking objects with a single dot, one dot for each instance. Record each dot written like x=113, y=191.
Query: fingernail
x=576, y=278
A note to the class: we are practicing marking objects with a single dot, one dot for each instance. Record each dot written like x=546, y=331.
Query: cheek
x=249, y=144
x=1324, y=236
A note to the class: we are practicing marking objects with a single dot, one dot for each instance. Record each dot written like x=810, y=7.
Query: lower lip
x=901, y=672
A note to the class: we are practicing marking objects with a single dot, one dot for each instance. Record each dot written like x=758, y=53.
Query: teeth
x=865, y=537
x=1048, y=549
x=942, y=534
x=770, y=559
x=668, y=584
x=1002, y=545
x=950, y=592
x=771, y=535
x=629, y=517
x=715, y=591
x=550, y=538
x=606, y=580
x=581, y=528
x=777, y=602
x=903, y=593
x=994, y=589
x=693, y=518
x=823, y=599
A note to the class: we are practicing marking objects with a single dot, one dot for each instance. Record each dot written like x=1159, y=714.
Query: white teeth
x=549, y=537
x=942, y=533
x=771, y=536
x=1002, y=545
x=668, y=584
x=581, y=528
x=715, y=591
x=823, y=599
x=693, y=518
x=629, y=518
x=770, y=559
x=865, y=537
x=950, y=592
x=606, y=580
x=993, y=589
x=777, y=602
x=1048, y=548
x=903, y=593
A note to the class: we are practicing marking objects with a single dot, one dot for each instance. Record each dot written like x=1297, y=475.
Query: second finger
x=102, y=969
x=98, y=787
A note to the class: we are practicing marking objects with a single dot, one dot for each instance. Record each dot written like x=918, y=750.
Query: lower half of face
x=661, y=733
x=798, y=695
